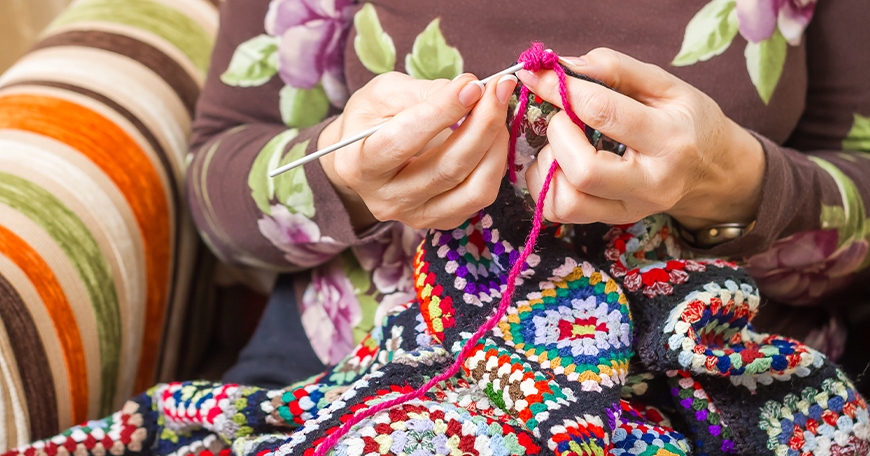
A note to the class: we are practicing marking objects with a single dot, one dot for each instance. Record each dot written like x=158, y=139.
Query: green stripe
x=81, y=248
x=157, y=18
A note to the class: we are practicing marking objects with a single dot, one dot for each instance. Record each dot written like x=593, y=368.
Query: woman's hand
x=414, y=169
x=684, y=156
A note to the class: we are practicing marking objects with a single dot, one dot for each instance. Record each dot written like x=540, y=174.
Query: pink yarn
x=535, y=58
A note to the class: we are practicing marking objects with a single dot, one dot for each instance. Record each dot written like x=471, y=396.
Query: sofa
x=97, y=251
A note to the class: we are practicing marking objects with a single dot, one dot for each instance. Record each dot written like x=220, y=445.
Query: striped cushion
x=96, y=248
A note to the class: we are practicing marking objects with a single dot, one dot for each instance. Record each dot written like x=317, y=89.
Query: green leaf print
x=361, y=281
x=709, y=33
x=291, y=188
x=302, y=108
x=359, y=277
x=858, y=138
x=254, y=62
x=850, y=219
x=262, y=186
x=373, y=46
x=431, y=57
x=765, y=61
x=368, y=306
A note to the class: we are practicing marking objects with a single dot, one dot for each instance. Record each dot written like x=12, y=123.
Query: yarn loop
x=536, y=58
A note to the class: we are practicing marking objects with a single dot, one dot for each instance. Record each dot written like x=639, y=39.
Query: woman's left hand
x=684, y=157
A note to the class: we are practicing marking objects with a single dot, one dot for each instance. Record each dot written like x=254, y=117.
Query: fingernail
x=505, y=88
x=578, y=61
x=458, y=76
x=530, y=79
x=471, y=93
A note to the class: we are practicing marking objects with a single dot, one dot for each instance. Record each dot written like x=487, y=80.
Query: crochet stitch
x=606, y=340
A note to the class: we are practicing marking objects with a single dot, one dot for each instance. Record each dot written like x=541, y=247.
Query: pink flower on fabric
x=802, y=268
x=298, y=237
x=757, y=19
x=313, y=36
x=391, y=257
x=330, y=311
x=830, y=339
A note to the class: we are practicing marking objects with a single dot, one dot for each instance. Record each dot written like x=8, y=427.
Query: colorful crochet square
x=831, y=420
x=708, y=332
x=578, y=326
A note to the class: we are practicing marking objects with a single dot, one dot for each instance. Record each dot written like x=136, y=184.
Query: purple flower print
x=298, y=237
x=802, y=268
x=330, y=311
x=829, y=339
x=757, y=19
x=391, y=258
x=312, y=35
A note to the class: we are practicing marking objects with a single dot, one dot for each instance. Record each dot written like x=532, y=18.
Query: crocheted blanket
x=616, y=343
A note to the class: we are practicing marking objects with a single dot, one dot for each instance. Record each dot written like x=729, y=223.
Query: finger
x=564, y=204
x=478, y=191
x=449, y=165
x=617, y=116
x=391, y=93
x=596, y=172
x=642, y=81
x=411, y=129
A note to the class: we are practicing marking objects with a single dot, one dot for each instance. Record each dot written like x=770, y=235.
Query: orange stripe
x=62, y=316
x=121, y=158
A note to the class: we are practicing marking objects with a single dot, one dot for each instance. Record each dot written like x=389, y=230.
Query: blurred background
x=20, y=23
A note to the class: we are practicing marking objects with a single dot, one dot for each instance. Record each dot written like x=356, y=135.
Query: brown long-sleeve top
x=796, y=73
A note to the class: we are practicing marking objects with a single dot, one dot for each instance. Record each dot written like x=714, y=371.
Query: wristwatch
x=713, y=235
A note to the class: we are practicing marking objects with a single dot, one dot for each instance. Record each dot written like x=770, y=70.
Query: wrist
x=731, y=191
x=360, y=216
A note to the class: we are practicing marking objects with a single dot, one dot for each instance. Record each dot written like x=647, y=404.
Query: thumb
x=420, y=123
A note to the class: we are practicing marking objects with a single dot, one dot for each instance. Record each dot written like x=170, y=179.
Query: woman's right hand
x=414, y=170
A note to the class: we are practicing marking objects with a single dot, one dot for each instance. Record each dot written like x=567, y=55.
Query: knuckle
x=583, y=178
x=350, y=174
x=604, y=57
x=664, y=195
x=599, y=110
x=380, y=212
x=391, y=146
x=415, y=223
x=379, y=83
x=479, y=201
x=490, y=195
x=450, y=172
x=562, y=207
x=432, y=109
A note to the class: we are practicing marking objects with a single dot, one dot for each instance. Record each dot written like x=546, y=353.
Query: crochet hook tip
x=346, y=142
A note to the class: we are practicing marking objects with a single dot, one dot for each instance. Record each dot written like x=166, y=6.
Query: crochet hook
x=371, y=131
x=366, y=133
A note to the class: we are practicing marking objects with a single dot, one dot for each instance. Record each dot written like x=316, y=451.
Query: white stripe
x=117, y=236
x=156, y=41
x=123, y=80
x=47, y=336
x=21, y=425
x=77, y=296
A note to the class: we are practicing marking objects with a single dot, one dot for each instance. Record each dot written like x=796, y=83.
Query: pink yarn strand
x=536, y=58
x=471, y=344
x=563, y=92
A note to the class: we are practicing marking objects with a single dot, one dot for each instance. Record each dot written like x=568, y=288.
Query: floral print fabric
x=302, y=49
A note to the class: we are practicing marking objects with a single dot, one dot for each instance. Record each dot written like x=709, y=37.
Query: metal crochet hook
x=371, y=131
